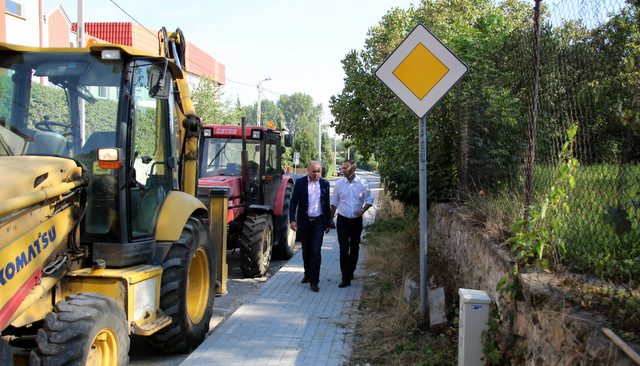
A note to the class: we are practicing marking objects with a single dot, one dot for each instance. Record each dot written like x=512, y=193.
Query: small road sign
x=421, y=70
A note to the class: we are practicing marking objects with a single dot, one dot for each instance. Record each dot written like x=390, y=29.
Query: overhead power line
x=132, y=18
x=191, y=61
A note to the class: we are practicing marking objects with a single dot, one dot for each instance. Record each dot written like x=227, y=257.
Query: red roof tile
x=197, y=62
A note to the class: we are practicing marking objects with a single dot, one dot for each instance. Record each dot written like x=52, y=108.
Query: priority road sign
x=421, y=70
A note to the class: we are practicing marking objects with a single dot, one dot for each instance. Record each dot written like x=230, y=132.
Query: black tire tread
x=69, y=330
x=182, y=336
x=284, y=249
x=252, y=261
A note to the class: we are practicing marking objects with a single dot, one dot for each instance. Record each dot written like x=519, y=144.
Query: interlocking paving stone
x=285, y=323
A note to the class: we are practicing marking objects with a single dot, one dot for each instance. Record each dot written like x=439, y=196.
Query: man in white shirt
x=351, y=198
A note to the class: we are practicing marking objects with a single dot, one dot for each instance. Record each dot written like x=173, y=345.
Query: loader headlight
x=109, y=158
x=256, y=134
x=111, y=54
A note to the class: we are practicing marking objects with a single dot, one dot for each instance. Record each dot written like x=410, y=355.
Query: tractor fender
x=278, y=204
x=176, y=210
x=261, y=209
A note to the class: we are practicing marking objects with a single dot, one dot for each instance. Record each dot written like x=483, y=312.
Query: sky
x=299, y=44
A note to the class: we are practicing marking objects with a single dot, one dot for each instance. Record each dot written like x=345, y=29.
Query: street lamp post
x=319, y=141
x=259, y=111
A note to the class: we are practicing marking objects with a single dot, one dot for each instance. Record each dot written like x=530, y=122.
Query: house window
x=15, y=7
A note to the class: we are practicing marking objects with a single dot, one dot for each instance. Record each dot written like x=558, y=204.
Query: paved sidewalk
x=285, y=323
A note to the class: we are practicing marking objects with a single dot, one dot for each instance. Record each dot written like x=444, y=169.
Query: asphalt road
x=239, y=289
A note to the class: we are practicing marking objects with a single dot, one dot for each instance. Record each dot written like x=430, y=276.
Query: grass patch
x=601, y=228
x=388, y=331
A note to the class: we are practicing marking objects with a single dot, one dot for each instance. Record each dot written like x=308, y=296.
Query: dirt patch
x=389, y=330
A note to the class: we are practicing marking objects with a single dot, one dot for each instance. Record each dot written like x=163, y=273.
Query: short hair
x=350, y=162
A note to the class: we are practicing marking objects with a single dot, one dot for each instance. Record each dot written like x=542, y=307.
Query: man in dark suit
x=310, y=213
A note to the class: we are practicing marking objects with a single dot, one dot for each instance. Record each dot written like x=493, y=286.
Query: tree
x=270, y=113
x=207, y=97
x=298, y=111
x=377, y=122
x=371, y=117
x=305, y=144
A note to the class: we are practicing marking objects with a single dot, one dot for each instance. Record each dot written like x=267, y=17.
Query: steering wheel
x=47, y=126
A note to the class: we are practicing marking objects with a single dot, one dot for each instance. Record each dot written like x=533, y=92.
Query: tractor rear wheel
x=256, y=245
x=187, y=290
x=85, y=329
x=286, y=236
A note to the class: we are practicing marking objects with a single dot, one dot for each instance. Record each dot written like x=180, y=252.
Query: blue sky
x=297, y=43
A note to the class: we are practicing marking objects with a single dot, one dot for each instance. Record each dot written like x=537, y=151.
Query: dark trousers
x=311, y=238
x=349, y=231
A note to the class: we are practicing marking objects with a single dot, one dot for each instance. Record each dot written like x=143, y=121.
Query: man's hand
x=333, y=225
x=293, y=226
x=359, y=213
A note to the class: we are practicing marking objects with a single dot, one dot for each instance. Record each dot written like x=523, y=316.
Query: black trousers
x=311, y=239
x=349, y=231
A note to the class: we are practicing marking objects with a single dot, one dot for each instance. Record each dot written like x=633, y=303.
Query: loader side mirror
x=288, y=140
x=158, y=86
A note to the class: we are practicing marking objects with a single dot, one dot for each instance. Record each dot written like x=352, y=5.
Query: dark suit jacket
x=300, y=202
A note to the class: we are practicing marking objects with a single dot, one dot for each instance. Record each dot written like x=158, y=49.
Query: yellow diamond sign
x=409, y=71
x=421, y=70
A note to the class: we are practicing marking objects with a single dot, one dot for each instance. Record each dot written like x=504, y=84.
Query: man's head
x=349, y=168
x=315, y=170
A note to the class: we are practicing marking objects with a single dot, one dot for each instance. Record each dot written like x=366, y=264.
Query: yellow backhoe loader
x=101, y=235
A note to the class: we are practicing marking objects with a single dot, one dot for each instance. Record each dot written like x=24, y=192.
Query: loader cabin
x=110, y=108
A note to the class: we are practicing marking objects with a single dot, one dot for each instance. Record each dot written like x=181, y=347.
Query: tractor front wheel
x=256, y=245
x=85, y=329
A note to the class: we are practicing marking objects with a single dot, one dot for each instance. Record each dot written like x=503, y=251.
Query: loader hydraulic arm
x=174, y=46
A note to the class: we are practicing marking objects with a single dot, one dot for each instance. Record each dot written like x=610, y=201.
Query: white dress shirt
x=351, y=196
x=313, y=189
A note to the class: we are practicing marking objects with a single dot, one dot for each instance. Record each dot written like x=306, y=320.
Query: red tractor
x=249, y=164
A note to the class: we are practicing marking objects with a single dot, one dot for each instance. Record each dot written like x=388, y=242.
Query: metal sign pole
x=424, y=288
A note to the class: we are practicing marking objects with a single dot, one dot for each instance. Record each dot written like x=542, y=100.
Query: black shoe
x=315, y=288
x=344, y=284
x=305, y=279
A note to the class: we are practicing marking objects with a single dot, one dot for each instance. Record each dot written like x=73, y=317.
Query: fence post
x=533, y=108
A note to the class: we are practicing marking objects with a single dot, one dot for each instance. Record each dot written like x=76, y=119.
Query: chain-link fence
x=573, y=63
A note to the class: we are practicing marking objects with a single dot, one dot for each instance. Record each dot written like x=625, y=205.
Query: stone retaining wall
x=538, y=326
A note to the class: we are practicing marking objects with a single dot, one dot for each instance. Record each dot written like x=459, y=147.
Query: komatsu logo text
x=23, y=259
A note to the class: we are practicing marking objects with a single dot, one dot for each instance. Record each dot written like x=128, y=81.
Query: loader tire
x=256, y=245
x=85, y=329
x=286, y=236
x=187, y=290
